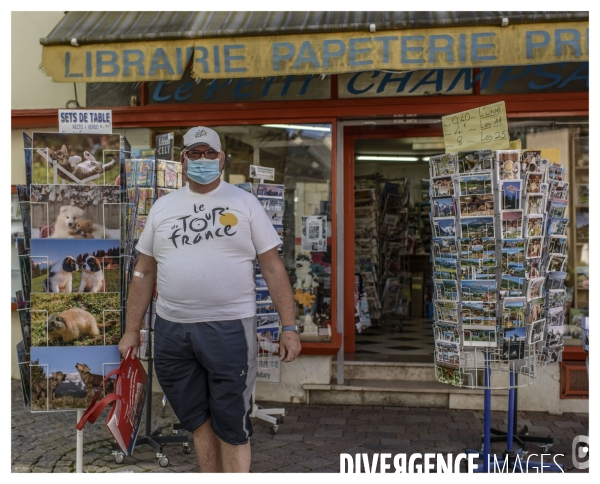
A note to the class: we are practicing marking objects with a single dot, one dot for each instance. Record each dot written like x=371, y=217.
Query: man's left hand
x=289, y=345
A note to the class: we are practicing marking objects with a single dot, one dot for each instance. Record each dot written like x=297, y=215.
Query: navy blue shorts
x=207, y=370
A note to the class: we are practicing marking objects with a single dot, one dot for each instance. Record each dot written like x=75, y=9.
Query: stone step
x=402, y=393
x=387, y=370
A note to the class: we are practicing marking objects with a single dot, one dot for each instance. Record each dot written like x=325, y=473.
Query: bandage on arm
x=138, y=274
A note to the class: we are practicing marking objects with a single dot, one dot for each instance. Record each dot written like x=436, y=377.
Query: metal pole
x=339, y=185
x=79, y=451
x=487, y=415
x=511, y=413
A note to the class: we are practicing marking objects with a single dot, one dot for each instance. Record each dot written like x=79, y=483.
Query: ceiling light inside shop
x=297, y=126
x=386, y=158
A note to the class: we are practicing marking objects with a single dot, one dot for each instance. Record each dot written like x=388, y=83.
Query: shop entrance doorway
x=391, y=235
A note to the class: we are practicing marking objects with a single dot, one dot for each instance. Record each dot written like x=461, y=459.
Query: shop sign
x=262, y=172
x=85, y=121
x=329, y=53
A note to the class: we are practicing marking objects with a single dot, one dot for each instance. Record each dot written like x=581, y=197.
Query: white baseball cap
x=202, y=135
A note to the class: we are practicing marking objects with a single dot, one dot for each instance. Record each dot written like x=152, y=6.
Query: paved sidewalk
x=310, y=440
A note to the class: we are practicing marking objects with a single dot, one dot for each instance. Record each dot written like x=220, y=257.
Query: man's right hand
x=129, y=339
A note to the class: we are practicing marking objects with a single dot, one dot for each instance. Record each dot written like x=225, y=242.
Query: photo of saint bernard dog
x=60, y=276
x=92, y=276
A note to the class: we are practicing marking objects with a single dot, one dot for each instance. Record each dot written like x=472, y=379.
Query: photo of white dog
x=60, y=276
x=92, y=276
x=71, y=223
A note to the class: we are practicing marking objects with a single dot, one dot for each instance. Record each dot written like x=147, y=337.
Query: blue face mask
x=203, y=171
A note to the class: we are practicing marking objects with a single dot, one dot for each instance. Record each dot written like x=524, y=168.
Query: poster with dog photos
x=75, y=265
x=75, y=211
x=76, y=158
x=67, y=378
x=75, y=319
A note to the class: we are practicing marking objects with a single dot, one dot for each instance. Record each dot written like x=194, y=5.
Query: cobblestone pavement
x=310, y=439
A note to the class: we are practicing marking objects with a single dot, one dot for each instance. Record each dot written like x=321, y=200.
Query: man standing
x=199, y=245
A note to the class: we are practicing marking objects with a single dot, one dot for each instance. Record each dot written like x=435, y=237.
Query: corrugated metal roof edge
x=547, y=17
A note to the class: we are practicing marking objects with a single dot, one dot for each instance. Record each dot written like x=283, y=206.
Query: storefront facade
x=329, y=97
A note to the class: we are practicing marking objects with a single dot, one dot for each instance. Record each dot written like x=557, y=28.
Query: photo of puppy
x=92, y=277
x=60, y=276
x=75, y=211
x=76, y=319
x=65, y=378
x=75, y=265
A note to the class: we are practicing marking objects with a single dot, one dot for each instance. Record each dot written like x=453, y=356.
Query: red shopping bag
x=129, y=396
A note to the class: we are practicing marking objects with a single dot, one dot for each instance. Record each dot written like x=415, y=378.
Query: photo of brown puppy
x=83, y=230
x=45, y=387
x=73, y=324
x=60, y=276
x=92, y=276
x=92, y=380
x=67, y=218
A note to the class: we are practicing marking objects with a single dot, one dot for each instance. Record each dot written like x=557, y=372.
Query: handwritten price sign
x=481, y=128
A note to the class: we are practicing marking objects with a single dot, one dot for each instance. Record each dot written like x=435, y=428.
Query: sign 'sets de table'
x=481, y=128
x=98, y=121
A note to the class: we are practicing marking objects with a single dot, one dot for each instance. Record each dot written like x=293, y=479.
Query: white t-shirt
x=205, y=246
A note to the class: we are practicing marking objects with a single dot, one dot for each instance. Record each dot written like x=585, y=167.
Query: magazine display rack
x=499, y=224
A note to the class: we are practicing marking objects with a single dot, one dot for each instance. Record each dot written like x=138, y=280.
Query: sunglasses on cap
x=209, y=154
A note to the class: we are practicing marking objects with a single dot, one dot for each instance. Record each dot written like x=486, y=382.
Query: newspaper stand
x=270, y=363
x=497, y=301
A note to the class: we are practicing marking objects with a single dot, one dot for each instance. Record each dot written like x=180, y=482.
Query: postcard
x=444, y=247
x=478, y=313
x=263, y=296
x=583, y=194
x=59, y=375
x=557, y=208
x=558, y=190
x=537, y=310
x=474, y=227
x=442, y=165
x=534, y=226
x=513, y=312
x=444, y=268
x=557, y=226
x=480, y=337
x=582, y=220
x=446, y=290
x=508, y=164
x=475, y=184
x=269, y=190
x=168, y=174
x=443, y=227
x=139, y=173
x=267, y=319
x=532, y=162
x=478, y=268
x=477, y=248
x=447, y=353
x=512, y=224
x=533, y=182
x=140, y=223
x=535, y=288
x=475, y=161
x=56, y=210
x=75, y=265
x=557, y=244
x=535, y=204
x=442, y=186
x=554, y=334
x=265, y=307
x=513, y=344
x=448, y=333
x=552, y=354
x=556, y=263
x=444, y=207
x=446, y=311
x=536, y=333
x=477, y=290
x=76, y=158
x=511, y=286
x=556, y=298
x=515, y=333
x=476, y=205
x=511, y=194
x=450, y=375
x=75, y=319
x=161, y=192
x=534, y=248
x=556, y=171
x=533, y=268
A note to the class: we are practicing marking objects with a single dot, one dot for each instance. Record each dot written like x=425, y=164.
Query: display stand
x=274, y=416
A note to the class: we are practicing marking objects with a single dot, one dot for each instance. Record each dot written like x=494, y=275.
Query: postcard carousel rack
x=76, y=257
x=499, y=223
